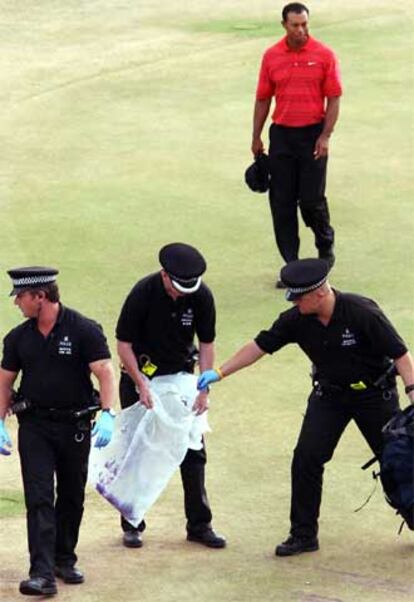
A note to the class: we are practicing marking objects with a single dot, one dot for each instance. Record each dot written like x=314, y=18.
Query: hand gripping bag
x=148, y=446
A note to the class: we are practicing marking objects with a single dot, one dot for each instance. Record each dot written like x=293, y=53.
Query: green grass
x=11, y=503
x=126, y=126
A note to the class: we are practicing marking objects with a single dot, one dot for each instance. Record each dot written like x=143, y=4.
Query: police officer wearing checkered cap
x=355, y=352
x=159, y=320
x=55, y=350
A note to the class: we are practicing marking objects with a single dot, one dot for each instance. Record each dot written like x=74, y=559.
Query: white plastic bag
x=148, y=446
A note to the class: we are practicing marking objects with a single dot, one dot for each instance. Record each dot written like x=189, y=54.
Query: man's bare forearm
x=6, y=385
x=261, y=111
x=405, y=368
x=331, y=115
x=246, y=356
x=129, y=362
x=104, y=372
x=206, y=356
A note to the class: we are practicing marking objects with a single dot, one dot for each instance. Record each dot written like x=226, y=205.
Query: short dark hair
x=294, y=7
x=51, y=292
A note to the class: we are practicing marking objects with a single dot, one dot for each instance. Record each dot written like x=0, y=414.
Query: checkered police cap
x=24, y=279
x=303, y=276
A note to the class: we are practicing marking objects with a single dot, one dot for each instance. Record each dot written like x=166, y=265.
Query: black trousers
x=47, y=450
x=297, y=179
x=325, y=420
x=196, y=504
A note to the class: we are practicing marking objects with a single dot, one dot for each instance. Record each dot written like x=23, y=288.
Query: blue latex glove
x=208, y=377
x=104, y=428
x=5, y=440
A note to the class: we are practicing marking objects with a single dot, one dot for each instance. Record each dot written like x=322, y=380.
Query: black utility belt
x=384, y=382
x=68, y=415
x=357, y=387
x=150, y=369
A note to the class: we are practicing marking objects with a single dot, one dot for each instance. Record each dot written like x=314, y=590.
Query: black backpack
x=397, y=465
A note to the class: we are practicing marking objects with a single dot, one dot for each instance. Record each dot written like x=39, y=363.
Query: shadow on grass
x=247, y=28
x=11, y=503
x=270, y=27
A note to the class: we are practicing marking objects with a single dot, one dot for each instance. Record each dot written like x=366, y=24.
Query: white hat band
x=184, y=289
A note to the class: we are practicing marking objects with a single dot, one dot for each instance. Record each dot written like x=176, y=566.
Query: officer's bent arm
x=129, y=362
x=206, y=356
x=246, y=356
x=7, y=379
x=104, y=372
x=405, y=367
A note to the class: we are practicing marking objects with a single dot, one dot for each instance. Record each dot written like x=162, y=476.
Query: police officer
x=354, y=349
x=156, y=328
x=55, y=350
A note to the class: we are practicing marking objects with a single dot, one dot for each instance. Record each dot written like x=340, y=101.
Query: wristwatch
x=109, y=411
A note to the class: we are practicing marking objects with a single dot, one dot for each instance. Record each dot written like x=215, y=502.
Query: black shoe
x=329, y=256
x=207, y=538
x=132, y=539
x=38, y=586
x=296, y=545
x=69, y=574
x=279, y=284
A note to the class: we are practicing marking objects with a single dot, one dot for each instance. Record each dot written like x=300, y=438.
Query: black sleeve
x=382, y=334
x=132, y=316
x=281, y=333
x=94, y=345
x=205, y=325
x=11, y=360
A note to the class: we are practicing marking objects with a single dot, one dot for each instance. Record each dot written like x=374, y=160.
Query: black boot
x=132, y=539
x=207, y=537
x=69, y=574
x=328, y=255
x=296, y=545
x=38, y=586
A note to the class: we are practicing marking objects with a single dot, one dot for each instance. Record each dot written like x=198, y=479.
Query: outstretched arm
x=246, y=356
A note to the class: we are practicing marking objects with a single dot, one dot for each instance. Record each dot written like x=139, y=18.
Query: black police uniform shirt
x=162, y=329
x=55, y=369
x=357, y=344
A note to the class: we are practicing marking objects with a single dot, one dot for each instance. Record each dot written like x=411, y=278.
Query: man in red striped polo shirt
x=303, y=76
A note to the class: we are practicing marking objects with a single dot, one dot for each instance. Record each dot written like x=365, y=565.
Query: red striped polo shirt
x=300, y=80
